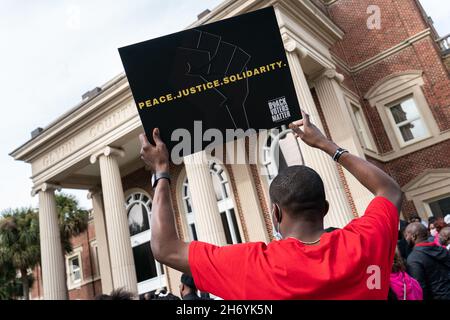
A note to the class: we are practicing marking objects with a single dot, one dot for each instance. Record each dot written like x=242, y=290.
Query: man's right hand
x=310, y=134
x=155, y=156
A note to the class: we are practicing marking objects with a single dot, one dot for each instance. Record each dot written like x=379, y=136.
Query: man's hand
x=311, y=135
x=370, y=176
x=155, y=156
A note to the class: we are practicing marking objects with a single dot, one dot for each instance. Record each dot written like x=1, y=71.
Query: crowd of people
x=421, y=269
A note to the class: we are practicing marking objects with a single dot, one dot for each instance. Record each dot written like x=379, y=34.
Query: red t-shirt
x=351, y=263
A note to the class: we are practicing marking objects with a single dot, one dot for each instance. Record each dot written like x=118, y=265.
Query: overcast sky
x=51, y=52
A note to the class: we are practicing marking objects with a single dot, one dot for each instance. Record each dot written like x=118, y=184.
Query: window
x=430, y=193
x=360, y=127
x=440, y=208
x=280, y=151
x=403, y=108
x=408, y=122
x=138, y=207
x=190, y=218
x=149, y=272
x=74, y=269
x=270, y=165
x=94, y=259
x=224, y=202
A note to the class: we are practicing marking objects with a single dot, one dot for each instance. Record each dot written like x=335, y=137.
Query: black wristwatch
x=158, y=176
x=339, y=152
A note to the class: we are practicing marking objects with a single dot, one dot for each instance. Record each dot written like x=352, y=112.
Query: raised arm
x=370, y=176
x=167, y=248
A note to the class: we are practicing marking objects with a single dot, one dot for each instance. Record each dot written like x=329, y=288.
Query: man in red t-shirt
x=308, y=263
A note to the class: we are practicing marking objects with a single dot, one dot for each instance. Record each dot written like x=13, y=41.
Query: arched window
x=149, y=272
x=280, y=151
x=224, y=202
x=190, y=219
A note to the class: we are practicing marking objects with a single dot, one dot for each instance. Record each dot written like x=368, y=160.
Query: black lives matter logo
x=279, y=109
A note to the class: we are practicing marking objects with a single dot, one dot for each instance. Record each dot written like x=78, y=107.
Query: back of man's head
x=300, y=191
x=416, y=232
x=187, y=286
x=118, y=294
x=414, y=218
x=444, y=236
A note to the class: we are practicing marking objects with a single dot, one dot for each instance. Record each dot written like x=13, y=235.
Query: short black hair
x=187, y=280
x=299, y=189
x=118, y=294
x=414, y=216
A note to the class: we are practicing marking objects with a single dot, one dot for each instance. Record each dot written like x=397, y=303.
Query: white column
x=342, y=130
x=52, y=256
x=121, y=255
x=340, y=212
x=247, y=192
x=102, y=241
x=207, y=218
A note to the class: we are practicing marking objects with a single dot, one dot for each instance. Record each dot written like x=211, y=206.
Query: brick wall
x=88, y=290
x=400, y=20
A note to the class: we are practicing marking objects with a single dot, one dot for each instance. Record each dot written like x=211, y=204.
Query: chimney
x=91, y=94
x=36, y=132
x=203, y=14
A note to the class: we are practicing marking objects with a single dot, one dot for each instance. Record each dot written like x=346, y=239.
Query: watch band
x=339, y=152
x=158, y=176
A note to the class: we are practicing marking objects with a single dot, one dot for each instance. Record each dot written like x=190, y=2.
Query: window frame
x=427, y=202
x=429, y=186
x=94, y=258
x=224, y=205
x=351, y=104
x=390, y=90
x=396, y=126
x=160, y=280
x=76, y=253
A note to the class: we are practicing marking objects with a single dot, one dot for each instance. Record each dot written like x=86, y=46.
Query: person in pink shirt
x=402, y=285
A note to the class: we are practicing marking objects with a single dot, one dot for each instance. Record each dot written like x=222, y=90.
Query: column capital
x=292, y=46
x=107, y=151
x=198, y=158
x=44, y=187
x=93, y=192
x=330, y=74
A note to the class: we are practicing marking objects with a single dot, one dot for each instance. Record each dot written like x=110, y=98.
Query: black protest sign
x=230, y=74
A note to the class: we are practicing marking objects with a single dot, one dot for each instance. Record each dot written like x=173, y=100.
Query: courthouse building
x=379, y=88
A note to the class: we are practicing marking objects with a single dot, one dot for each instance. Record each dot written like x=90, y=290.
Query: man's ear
x=276, y=213
x=327, y=207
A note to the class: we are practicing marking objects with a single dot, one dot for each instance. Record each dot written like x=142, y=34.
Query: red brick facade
x=400, y=20
x=91, y=283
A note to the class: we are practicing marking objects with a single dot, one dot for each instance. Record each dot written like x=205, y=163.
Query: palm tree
x=72, y=219
x=8, y=281
x=19, y=240
x=19, y=243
